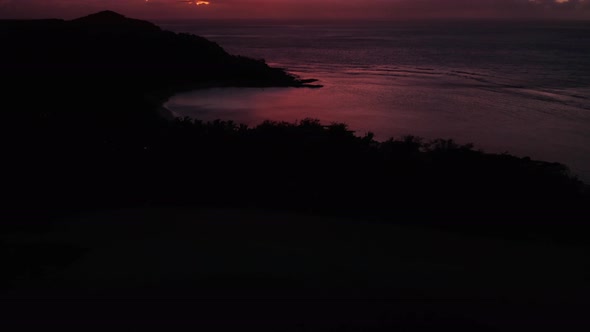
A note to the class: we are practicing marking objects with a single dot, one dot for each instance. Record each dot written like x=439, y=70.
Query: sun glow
x=198, y=3
x=191, y=2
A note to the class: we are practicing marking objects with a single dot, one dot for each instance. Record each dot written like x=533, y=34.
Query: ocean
x=505, y=86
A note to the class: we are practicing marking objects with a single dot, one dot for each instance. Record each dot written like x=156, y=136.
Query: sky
x=301, y=9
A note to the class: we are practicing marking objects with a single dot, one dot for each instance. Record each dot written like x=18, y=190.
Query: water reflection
x=492, y=114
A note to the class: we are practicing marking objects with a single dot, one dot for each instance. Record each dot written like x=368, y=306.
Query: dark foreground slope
x=235, y=269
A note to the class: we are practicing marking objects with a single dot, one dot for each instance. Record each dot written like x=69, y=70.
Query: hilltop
x=110, y=45
x=111, y=59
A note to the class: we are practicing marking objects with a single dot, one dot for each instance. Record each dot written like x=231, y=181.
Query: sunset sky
x=312, y=9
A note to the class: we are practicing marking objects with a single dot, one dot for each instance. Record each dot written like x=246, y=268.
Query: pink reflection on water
x=545, y=125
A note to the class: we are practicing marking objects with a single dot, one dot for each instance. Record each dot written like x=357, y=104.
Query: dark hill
x=113, y=66
x=109, y=17
x=122, y=50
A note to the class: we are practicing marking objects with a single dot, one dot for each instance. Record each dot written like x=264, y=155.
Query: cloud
x=412, y=8
x=406, y=8
x=303, y=8
x=491, y=8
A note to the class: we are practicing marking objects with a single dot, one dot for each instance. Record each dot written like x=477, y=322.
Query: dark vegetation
x=82, y=132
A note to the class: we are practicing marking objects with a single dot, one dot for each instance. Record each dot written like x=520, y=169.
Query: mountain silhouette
x=136, y=52
x=116, y=62
x=113, y=20
x=105, y=17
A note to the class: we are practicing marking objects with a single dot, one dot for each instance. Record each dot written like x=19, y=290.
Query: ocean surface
x=517, y=87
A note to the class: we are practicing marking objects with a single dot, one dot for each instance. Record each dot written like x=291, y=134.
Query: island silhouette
x=92, y=165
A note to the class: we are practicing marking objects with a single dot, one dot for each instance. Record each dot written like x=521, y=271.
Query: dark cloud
x=411, y=8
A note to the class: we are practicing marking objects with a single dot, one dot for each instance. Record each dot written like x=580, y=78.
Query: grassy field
x=280, y=271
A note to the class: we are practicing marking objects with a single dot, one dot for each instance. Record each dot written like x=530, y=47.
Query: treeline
x=302, y=167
